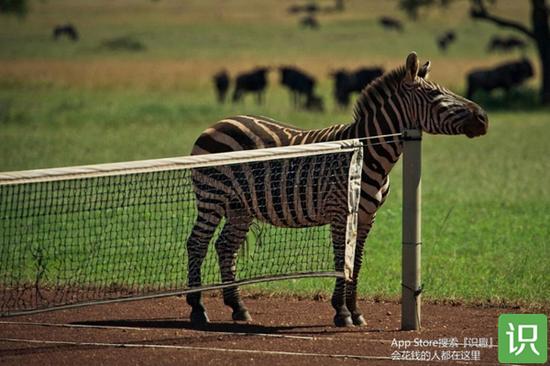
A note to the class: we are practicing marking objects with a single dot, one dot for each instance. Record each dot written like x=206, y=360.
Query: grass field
x=486, y=202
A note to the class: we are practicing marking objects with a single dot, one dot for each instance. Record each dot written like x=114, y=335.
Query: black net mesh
x=124, y=236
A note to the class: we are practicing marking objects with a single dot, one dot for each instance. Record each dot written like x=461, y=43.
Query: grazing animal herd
x=301, y=85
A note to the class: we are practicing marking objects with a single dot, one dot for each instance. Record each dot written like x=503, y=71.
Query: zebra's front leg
x=342, y=318
x=351, y=287
x=227, y=247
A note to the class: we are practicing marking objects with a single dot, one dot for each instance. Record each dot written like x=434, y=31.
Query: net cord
x=177, y=163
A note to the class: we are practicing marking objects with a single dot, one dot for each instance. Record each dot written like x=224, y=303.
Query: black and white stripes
x=401, y=99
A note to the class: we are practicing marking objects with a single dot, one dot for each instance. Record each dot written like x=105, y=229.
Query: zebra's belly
x=292, y=221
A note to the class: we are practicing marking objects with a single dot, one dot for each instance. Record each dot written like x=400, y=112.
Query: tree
x=17, y=7
x=538, y=31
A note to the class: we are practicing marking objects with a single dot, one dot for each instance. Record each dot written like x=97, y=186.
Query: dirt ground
x=284, y=331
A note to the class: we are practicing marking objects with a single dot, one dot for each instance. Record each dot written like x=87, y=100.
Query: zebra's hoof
x=241, y=316
x=199, y=318
x=359, y=320
x=343, y=321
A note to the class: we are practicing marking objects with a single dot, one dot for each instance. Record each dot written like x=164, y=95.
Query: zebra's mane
x=391, y=80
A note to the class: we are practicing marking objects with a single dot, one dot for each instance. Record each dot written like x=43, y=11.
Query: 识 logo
x=522, y=338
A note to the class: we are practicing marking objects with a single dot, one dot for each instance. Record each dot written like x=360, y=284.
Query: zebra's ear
x=412, y=65
x=424, y=71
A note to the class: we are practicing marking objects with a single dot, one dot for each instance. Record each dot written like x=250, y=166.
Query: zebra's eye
x=434, y=94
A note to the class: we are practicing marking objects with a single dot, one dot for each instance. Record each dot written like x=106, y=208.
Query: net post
x=411, y=231
x=354, y=196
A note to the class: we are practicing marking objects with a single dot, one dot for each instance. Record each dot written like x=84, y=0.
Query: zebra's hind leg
x=197, y=246
x=227, y=246
x=342, y=318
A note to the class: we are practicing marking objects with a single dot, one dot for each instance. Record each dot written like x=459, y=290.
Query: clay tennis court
x=284, y=331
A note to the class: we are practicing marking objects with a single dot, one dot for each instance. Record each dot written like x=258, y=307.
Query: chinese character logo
x=522, y=338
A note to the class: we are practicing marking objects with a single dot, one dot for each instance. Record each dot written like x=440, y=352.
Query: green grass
x=207, y=29
x=486, y=202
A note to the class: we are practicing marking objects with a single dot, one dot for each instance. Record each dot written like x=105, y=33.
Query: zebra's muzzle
x=477, y=125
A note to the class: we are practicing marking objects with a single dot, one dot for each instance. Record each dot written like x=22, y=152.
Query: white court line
x=118, y=327
x=192, y=348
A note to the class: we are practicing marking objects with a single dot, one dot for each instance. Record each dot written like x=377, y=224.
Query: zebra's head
x=437, y=110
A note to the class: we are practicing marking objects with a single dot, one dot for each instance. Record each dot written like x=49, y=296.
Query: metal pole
x=411, y=230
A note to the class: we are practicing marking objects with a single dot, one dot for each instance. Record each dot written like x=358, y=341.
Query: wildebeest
x=445, y=39
x=391, y=23
x=254, y=81
x=505, y=76
x=299, y=83
x=221, y=83
x=66, y=29
x=505, y=44
x=309, y=21
x=346, y=82
x=314, y=103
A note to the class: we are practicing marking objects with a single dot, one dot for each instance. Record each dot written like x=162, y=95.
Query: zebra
x=398, y=100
